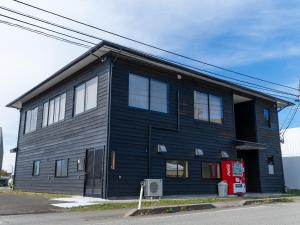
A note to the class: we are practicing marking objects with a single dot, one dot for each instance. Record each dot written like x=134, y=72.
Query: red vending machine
x=233, y=172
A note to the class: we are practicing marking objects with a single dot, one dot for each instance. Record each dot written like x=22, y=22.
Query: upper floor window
x=54, y=110
x=208, y=107
x=148, y=94
x=36, y=168
x=31, y=120
x=267, y=120
x=86, y=96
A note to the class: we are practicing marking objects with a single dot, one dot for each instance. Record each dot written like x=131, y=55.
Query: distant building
x=291, y=158
x=1, y=148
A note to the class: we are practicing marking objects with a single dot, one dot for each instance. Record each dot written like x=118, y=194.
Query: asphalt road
x=276, y=214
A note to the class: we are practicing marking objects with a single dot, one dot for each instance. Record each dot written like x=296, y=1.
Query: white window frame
x=85, y=96
x=56, y=116
x=31, y=122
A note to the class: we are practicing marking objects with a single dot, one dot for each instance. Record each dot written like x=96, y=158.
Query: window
x=86, y=96
x=113, y=160
x=158, y=96
x=80, y=165
x=177, y=169
x=267, y=120
x=31, y=120
x=148, y=94
x=271, y=165
x=54, y=110
x=36, y=168
x=208, y=107
x=200, y=106
x=61, y=168
x=138, y=92
x=215, y=109
x=211, y=170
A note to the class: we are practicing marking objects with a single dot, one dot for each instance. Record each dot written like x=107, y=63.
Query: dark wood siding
x=129, y=134
x=67, y=139
x=269, y=136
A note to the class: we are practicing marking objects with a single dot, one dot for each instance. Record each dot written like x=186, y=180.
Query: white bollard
x=141, y=195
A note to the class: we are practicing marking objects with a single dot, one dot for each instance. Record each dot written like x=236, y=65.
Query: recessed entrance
x=250, y=158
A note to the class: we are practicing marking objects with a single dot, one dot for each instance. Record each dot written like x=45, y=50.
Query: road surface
x=276, y=214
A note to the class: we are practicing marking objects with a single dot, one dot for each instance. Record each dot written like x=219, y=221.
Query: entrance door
x=94, y=172
x=251, y=162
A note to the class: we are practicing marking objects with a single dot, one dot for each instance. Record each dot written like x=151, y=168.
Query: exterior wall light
x=224, y=154
x=161, y=148
x=198, y=152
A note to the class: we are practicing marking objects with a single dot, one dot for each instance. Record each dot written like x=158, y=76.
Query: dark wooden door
x=94, y=172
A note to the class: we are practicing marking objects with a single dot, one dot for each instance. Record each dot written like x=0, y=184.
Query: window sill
x=208, y=122
x=148, y=110
x=85, y=112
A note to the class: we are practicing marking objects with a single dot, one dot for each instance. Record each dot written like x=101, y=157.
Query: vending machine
x=233, y=172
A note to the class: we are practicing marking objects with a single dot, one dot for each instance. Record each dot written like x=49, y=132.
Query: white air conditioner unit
x=153, y=187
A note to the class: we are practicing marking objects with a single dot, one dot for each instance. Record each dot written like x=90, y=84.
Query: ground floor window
x=36, y=168
x=61, y=168
x=177, y=168
x=211, y=170
x=271, y=165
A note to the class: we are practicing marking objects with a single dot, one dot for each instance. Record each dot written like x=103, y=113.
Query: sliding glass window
x=54, y=110
x=86, y=96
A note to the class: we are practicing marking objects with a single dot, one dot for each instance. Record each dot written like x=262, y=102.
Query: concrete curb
x=203, y=206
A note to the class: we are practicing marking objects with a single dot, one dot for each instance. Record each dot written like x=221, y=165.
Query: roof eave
x=105, y=47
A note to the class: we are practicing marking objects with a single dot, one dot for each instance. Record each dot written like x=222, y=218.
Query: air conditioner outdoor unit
x=153, y=187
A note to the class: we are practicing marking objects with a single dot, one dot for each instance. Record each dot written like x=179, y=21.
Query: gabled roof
x=105, y=47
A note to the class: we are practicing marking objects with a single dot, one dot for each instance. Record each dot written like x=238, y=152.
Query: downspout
x=150, y=128
x=108, y=127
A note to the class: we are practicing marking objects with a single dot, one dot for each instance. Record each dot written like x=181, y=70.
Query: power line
x=289, y=123
x=152, y=46
x=50, y=23
x=286, y=118
x=188, y=66
x=44, y=34
x=31, y=24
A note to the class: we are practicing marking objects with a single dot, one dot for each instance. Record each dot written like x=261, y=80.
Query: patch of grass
x=152, y=203
x=38, y=194
x=168, y=202
x=293, y=192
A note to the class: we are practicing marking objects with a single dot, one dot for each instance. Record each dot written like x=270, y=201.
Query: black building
x=119, y=115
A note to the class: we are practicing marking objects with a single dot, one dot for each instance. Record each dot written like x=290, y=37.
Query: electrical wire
x=44, y=34
x=286, y=118
x=290, y=121
x=31, y=24
x=152, y=46
x=92, y=36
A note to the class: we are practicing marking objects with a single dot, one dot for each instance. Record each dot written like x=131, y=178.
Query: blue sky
x=260, y=38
